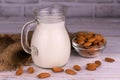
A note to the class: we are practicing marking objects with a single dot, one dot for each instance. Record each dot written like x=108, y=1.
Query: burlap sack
x=11, y=52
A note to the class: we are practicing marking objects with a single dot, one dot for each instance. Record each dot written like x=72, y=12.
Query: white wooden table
x=107, y=71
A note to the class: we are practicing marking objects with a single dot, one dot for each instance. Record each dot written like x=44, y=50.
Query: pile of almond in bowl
x=88, y=44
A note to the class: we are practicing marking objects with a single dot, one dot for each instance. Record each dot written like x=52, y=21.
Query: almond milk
x=53, y=45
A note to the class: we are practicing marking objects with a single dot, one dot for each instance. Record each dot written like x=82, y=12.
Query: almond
x=108, y=59
x=88, y=36
x=87, y=44
x=81, y=42
x=81, y=33
x=98, y=63
x=30, y=70
x=91, y=40
x=98, y=37
x=43, y=75
x=19, y=71
x=77, y=67
x=57, y=69
x=71, y=72
x=81, y=38
x=91, y=66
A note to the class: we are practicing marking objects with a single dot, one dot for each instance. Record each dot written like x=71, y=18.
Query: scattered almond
x=108, y=59
x=91, y=66
x=77, y=67
x=30, y=70
x=57, y=69
x=19, y=71
x=43, y=75
x=71, y=72
x=98, y=63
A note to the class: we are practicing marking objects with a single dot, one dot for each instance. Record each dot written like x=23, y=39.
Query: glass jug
x=50, y=44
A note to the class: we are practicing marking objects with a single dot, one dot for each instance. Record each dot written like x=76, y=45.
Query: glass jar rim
x=54, y=9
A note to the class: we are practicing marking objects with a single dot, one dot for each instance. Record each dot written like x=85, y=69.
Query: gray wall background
x=101, y=16
x=81, y=8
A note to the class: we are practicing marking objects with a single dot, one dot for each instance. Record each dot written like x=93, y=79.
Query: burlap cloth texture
x=12, y=54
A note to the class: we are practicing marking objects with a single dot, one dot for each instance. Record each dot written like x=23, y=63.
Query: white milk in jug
x=52, y=43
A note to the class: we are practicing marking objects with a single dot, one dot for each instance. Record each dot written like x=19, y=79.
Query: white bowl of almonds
x=88, y=44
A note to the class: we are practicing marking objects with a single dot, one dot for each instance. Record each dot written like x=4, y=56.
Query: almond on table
x=108, y=59
x=57, y=69
x=30, y=70
x=77, y=67
x=98, y=63
x=19, y=71
x=70, y=71
x=91, y=66
x=44, y=75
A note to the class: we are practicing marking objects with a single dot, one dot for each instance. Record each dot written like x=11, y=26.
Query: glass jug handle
x=24, y=36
